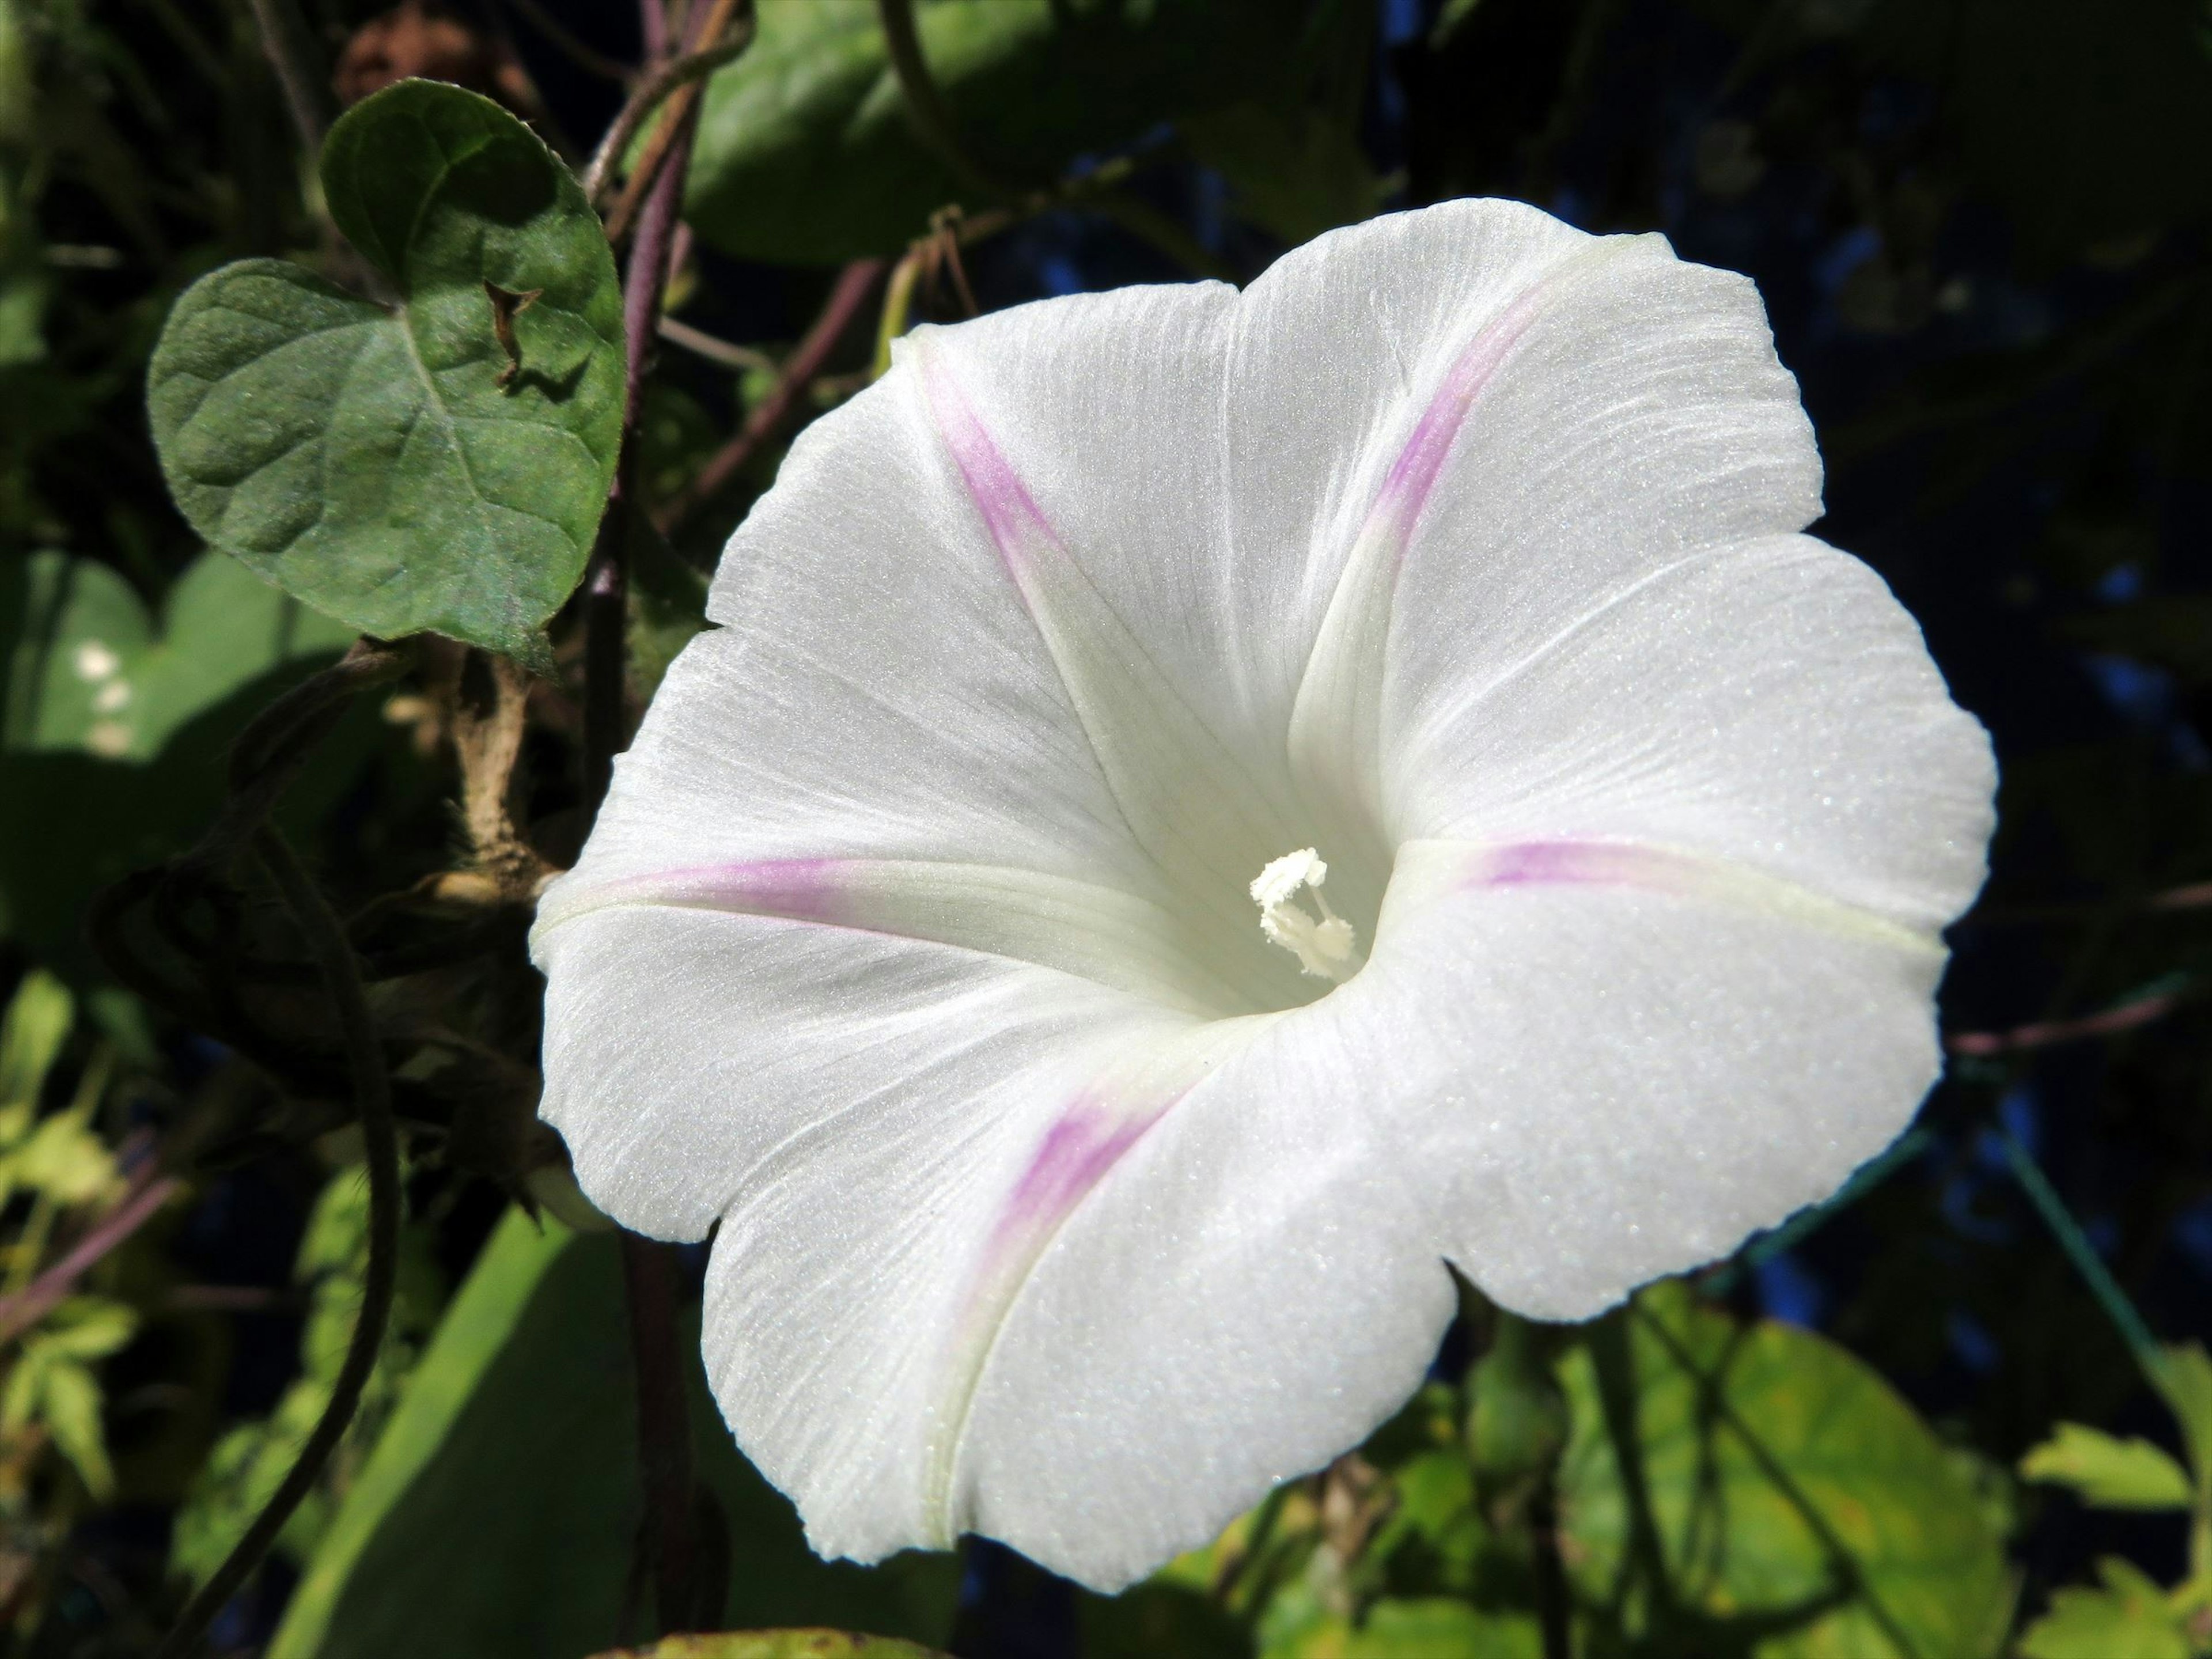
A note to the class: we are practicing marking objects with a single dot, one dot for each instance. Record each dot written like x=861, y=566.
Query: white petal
x=1564, y=1087
x=1768, y=704
x=890, y=1131
x=875, y=689
x=1621, y=408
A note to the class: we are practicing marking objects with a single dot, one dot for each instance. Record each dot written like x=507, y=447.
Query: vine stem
x=372, y=1090
x=925, y=105
x=28, y=1306
x=848, y=295
x=2083, y=1255
x=291, y=52
x=668, y=1539
x=719, y=44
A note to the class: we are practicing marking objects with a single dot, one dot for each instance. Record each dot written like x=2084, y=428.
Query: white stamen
x=1325, y=946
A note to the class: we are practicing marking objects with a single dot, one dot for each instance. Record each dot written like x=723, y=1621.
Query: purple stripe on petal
x=1578, y=863
x=1010, y=513
x=1088, y=1140
x=1075, y=1153
x=1413, y=474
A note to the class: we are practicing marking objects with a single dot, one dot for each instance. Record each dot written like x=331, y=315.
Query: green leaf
x=113, y=729
x=1771, y=1477
x=805, y=152
x=1433, y=1627
x=2129, y=1619
x=2185, y=1380
x=69, y=1405
x=513, y=1449
x=1294, y=172
x=87, y=1328
x=2110, y=1473
x=667, y=606
x=779, y=1644
x=51, y=1383
x=90, y=671
x=394, y=468
x=32, y=1033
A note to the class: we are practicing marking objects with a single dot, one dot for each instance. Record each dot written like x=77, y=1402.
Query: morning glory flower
x=1203, y=807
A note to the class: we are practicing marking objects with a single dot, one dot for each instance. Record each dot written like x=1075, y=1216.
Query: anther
x=1326, y=945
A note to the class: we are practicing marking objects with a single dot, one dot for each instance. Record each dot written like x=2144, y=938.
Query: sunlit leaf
x=1782, y=1481
x=2108, y=1472
x=400, y=469
x=2128, y=1618
x=2185, y=1379
x=778, y=1644
x=805, y=151
x=69, y=1405
x=32, y=1033
x=51, y=1384
x=513, y=1449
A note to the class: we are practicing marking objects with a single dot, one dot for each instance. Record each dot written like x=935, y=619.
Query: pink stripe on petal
x=801, y=890
x=1009, y=511
x=1078, y=1151
x=1578, y=863
x=1413, y=474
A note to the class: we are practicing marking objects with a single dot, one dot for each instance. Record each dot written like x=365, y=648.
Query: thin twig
x=673, y=76
x=2190, y=895
x=848, y=295
x=326, y=936
x=2042, y=1034
x=28, y=1306
x=664, y=1429
x=571, y=47
x=2122, y=1311
x=291, y=52
x=727, y=353
x=925, y=105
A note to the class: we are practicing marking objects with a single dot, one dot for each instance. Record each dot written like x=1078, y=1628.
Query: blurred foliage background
x=1961, y=1411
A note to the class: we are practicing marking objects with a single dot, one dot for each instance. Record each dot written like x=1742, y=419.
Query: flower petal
x=1614, y=409
x=1563, y=1086
x=875, y=688
x=1767, y=704
x=890, y=1131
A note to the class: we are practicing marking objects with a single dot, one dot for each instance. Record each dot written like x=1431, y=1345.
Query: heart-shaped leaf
x=441, y=464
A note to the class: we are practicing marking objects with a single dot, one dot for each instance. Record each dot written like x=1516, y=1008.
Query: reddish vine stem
x=668, y=1538
x=36, y=1299
x=848, y=296
x=2042, y=1034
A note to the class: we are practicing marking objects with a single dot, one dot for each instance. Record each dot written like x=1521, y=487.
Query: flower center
x=1326, y=945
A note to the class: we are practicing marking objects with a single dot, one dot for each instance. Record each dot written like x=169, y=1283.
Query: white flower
x=1202, y=808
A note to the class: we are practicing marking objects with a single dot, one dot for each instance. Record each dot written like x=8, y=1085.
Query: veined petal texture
x=1460, y=555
